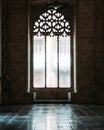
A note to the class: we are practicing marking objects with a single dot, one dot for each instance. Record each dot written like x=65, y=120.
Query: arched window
x=51, y=47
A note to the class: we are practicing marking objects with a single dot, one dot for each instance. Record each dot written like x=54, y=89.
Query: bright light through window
x=52, y=50
x=51, y=62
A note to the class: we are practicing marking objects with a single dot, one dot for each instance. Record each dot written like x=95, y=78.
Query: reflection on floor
x=52, y=117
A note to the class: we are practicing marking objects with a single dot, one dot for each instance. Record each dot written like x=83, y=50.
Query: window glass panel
x=51, y=57
x=51, y=51
x=64, y=62
x=38, y=62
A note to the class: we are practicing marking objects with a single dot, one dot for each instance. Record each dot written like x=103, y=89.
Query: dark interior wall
x=17, y=40
x=4, y=52
x=89, y=52
x=90, y=55
x=99, y=51
x=0, y=51
x=85, y=52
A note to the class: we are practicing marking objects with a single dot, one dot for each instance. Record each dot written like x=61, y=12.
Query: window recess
x=52, y=48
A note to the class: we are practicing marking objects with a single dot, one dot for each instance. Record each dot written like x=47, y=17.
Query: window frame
x=30, y=88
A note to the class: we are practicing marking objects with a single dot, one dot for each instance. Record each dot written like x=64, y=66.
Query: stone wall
x=99, y=20
x=18, y=51
x=0, y=51
x=85, y=52
x=89, y=51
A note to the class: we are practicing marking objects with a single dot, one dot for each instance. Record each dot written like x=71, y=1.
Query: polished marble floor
x=52, y=117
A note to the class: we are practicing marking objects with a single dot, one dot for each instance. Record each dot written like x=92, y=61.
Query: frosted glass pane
x=51, y=57
x=38, y=62
x=64, y=62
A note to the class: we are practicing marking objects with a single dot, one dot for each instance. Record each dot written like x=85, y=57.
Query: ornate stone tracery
x=51, y=23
